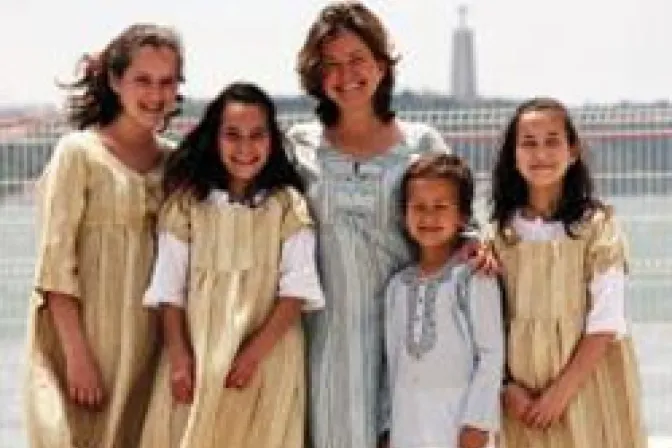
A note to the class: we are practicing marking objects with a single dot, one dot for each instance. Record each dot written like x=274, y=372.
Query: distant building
x=463, y=71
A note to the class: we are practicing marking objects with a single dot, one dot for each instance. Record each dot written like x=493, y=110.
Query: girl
x=235, y=268
x=444, y=334
x=90, y=342
x=572, y=373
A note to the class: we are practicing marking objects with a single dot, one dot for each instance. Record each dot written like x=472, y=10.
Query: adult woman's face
x=350, y=72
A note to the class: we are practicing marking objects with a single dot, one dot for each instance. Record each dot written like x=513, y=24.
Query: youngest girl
x=444, y=334
x=234, y=270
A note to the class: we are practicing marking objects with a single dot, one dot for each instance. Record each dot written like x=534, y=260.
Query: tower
x=463, y=73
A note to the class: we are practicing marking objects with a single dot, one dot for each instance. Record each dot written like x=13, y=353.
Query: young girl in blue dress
x=444, y=336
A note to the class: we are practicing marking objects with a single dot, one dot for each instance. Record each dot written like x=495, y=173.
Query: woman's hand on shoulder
x=481, y=257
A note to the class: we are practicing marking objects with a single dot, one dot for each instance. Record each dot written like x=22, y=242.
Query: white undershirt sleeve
x=168, y=284
x=608, y=303
x=298, y=270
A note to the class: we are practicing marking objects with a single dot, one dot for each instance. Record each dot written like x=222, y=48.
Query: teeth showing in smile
x=352, y=86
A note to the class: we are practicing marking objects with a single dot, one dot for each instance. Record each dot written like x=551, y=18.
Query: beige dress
x=546, y=308
x=232, y=283
x=96, y=220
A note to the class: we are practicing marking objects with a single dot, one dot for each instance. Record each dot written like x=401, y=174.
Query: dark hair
x=333, y=20
x=449, y=167
x=196, y=166
x=93, y=100
x=509, y=189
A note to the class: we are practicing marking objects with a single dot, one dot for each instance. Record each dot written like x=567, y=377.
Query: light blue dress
x=355, y=205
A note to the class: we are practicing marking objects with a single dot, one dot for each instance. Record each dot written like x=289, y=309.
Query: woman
x=352, y=161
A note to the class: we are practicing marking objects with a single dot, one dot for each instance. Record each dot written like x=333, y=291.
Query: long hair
x=196, y=166
x=93, y=101
x=509, y=189
x=333, y=20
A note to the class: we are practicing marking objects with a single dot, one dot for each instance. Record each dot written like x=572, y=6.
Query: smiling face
x=432, y=214
x=350, y=72
x=543, y=153
x=244, y=144
x=147, y=89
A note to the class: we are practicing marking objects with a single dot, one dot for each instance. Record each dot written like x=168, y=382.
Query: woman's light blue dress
x=360, y=245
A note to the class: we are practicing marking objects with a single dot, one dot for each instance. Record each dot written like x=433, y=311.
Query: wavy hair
x=93, y=100
x=333, y=20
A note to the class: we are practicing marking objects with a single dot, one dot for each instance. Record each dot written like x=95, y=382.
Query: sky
x=577, y=50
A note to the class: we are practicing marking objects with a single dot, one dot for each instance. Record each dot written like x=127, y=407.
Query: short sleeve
x=62, y=200
x=606, y=244
x=174, y=216
x=295, y=212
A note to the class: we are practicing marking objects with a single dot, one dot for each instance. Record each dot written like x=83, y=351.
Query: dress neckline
x=392, y=149
x=106, y=151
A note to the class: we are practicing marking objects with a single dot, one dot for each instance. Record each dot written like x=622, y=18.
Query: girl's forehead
x=541, y=119
x=237, y=111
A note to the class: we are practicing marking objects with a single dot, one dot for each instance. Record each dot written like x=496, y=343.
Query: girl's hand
x=181, y=374
x=85, y=383
x=244, y=365
x=472, y=437
x=481, y=257
x=517, y=400
x=548, y=408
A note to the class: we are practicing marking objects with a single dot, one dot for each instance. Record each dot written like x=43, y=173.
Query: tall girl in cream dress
x=235, y=269
x=91, y=344
x=572, y=376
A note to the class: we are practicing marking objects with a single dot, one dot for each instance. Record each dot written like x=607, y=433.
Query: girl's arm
x=84, y=382
x=284, y=314
x=167, y=291
x=299, y=290
x=63, y=188
x=551, y=404
x=484, y=317
x=176, y=341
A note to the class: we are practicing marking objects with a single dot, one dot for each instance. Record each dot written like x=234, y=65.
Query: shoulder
x=597, y=221
x=306, y=134
x=400, y=279
x=304, y=140
x=75, y=142
x=422, y=137
x=294, y=205
x=71, y=151
x=288, y=196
